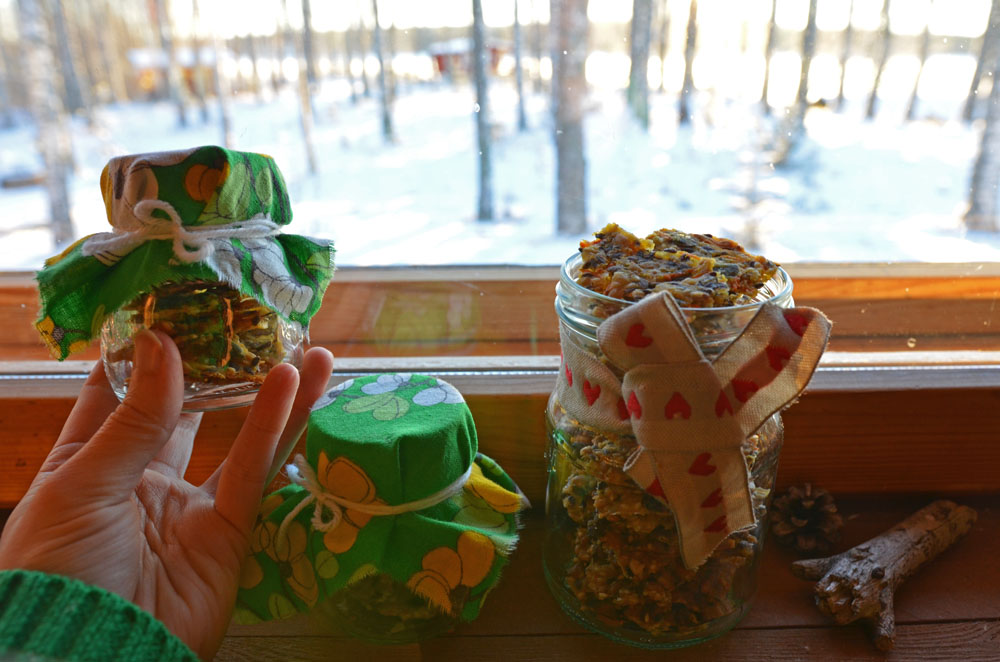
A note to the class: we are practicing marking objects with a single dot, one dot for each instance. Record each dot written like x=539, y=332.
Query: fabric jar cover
x=205, y=213
x=385, y=441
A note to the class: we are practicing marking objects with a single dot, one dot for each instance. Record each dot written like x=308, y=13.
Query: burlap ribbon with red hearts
x=690, y=415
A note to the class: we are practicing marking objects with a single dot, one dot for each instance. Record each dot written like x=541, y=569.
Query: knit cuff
x=48, y=616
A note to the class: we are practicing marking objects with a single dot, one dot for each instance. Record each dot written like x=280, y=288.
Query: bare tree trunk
x=175, y=84
x=885, y=39
x=197, y=73
x=522, y=119
x=383, y=88
x=925, y=46
x=305, y=102
x=985, y=55
x=768, y=51
x=985, y=184
x=75, y=101
x=222, y=93
x=255, y=83
x=479, y=54
x=8, y=84
x=684, y=106
x=639, y=38
x=307, y=45
x=50, y=118
x=663, y=36
x=794, y=129
x=390, y=59
x=537, y=47
x=845, y=53
x=81, y=53
x=363, y=45
x=109, y=45
x=569, y=90
x=349, y=61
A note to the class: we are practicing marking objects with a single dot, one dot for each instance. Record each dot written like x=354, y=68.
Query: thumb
x=137, y=429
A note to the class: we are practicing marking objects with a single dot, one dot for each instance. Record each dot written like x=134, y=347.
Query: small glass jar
x=611, y=554
x=227, y=341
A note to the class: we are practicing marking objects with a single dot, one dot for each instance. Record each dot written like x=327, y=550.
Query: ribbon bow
x=329, y=508
x=690, y=415
x=191, y=244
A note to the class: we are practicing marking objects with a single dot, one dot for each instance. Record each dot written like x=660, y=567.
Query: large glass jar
x=227, y=341
x=611, y=553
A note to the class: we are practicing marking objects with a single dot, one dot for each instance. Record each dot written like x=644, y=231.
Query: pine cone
x=805, y=518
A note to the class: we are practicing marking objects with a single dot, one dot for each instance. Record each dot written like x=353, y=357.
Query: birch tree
x=522, y=120
x=684, y=104
x=794, y=126
x=845, y=53
x=349, y=38
x=984, y=186
x=46, y=107
x=479, y=55
x=925, y=45
x=385, y=99
x=639, y=38
x=176, y=91
x=986, y=50
x=885, y=41
x=198, y=79
x=569, y=90
x=768, y=51
x=75, y=100
x=662, y=41
x=307, y=45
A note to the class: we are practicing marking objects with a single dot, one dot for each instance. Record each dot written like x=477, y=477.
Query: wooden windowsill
x=948, y=611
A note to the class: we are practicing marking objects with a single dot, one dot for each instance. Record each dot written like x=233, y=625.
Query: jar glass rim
x=566, y=277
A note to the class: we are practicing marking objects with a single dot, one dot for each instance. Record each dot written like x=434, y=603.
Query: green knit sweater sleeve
x=48, y=617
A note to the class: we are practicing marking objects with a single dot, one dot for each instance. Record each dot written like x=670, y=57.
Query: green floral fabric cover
x=386, y=439
x=211, y=189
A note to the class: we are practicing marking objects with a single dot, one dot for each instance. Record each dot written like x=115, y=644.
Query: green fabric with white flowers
x=386, y=439
x=227, y=209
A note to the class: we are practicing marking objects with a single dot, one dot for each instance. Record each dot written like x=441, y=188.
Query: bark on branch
x=860, y=584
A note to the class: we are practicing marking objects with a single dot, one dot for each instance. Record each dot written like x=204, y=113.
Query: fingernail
x=148, y=352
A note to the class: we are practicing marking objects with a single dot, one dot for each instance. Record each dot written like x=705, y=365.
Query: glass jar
x=227, y=341
x=611, y=554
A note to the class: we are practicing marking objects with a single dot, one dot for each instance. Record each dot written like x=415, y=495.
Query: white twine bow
x=191, y=244
x=327, y=503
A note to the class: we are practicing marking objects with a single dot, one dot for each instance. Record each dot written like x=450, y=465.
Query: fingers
x=139, y=427
x=173, y=458
x=317, y=365
x=242, y=475
x=93, y=406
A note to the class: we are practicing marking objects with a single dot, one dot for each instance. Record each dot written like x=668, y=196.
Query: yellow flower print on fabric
x=261, y=537
x=201, y=182
x=446, y=569
x=498, y=498
x=53, y=335
x=344, y=479
x=288, y=550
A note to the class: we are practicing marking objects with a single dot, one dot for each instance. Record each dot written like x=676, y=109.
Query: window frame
x=879, y=415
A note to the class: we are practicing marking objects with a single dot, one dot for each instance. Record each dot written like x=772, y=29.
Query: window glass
x=810, y=130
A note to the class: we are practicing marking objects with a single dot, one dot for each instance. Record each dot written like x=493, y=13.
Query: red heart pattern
x=656, y=489
x=677, y=406
x=591, y=392
x=569, y=375
x=633, y=406
x=777, y=357
x=701, y=467
x=637, y=337
x=623, y=413
x=723, y=405
x=796, y=322
x=713, y=500
x=717, y=526
x=744, y=388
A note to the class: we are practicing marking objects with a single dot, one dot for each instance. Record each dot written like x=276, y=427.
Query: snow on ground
x=854, y=191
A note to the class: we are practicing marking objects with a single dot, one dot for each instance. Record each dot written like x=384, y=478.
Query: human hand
x=111, y=508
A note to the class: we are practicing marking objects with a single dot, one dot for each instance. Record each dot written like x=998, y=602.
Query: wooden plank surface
x=899, y=441
x=495, y=311
x=950, y=610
